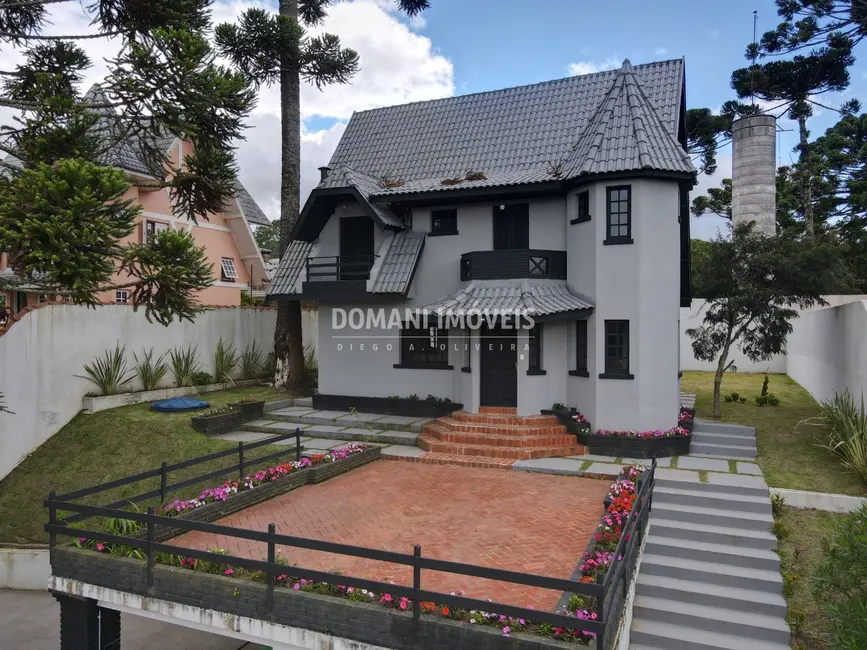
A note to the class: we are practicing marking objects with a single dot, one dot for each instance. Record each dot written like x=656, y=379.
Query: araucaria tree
x=275, y=49
x=64, y=210
x=754, y=286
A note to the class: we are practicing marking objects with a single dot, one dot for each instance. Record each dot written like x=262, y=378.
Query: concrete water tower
x=754, y=172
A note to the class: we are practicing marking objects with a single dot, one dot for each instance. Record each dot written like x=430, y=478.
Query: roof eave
x=470, y=194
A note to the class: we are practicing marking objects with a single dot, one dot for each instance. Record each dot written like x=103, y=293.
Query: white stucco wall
x=42, y=360
x=827, y=351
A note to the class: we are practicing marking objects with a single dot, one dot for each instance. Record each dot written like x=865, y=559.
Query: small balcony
x=513, y=264
x=338, y=277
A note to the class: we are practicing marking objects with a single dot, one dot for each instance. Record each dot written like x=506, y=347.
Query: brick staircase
x=495, y=434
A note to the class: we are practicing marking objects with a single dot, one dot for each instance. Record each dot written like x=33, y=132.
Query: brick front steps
x=499, y=435
x=453, y=459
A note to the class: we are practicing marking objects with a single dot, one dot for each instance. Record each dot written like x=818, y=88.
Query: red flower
x=445, y=611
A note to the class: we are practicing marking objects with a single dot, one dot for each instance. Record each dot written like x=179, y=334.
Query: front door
x=499, y=367
x=356, y=248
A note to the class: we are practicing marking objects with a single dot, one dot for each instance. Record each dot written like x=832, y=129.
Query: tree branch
x=28, y=3
x=65, y=37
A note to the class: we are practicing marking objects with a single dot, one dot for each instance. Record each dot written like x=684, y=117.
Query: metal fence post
x=600, y=616
x=241, y=461
x=150, y=547
x=297, y=444
x=272, y=561
x=164, y=481
x=416, y=587
x=52, y=519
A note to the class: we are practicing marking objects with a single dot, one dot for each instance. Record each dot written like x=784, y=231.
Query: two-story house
x=565, y=200
x=227, y=237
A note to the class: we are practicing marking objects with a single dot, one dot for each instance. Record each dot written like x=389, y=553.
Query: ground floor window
x=616, y=349
x=535, y=350
x=424, y=347
x=121, y=297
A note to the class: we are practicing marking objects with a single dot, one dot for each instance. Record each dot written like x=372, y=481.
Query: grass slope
x=790, y=455
x=108, y=445
x=799, y=555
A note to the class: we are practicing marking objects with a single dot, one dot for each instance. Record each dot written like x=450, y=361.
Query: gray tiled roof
x=252, y=212
x=366, y=185
x=504, y=131
x=536, y=297
x=291, y=265
x=400, y=262
x=492, y=180
x=626, y=134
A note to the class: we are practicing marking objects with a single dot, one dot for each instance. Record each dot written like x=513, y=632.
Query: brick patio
x=525, y=522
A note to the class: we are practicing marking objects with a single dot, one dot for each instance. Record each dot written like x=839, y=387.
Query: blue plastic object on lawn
x=178, y=404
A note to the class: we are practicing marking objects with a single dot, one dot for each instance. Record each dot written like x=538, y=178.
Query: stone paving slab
x=707, y=464
x=304, y=401
x=284, y=427
x=328, y=415
x=322, y=428
x=592, y=457
x=736, y=480
x=325, y=443
x=294, y=410
x=261, y=423
x=359, y=417
x=749, y=468
x=244, y=436
x=564, y=466
x=402, y=450
x=604, y=468
x=677, y=475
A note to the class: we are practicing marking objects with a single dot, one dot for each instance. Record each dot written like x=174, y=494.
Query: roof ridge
x=511, y=88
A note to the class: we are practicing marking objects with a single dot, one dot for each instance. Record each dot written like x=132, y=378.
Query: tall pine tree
x=275, y=49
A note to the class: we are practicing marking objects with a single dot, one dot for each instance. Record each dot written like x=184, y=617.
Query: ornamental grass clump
x=846, y=422
x=184, y=365
x=110, y=371
x=150, y=371
x=251, y=361
x=225, y=361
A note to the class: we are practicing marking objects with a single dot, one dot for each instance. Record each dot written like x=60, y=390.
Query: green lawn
x=790, y=455
x=799, y=555
x=112, y=444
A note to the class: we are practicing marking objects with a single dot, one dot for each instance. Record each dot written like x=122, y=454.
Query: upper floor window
x=444, y=222
x=618, y=223
x=535, y=350
x=616, y=350
x=583, y=205
x=581, y=348
x=121, y=297
x=151, y=228
x=229, y=274
x=424, y=347
x=512, y=226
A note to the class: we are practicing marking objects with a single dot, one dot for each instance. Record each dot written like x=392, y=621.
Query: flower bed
x=638, y=444
x=594, y=564
x=94, y=404
x=572, y=419
x=253, y=409
x=217, y=421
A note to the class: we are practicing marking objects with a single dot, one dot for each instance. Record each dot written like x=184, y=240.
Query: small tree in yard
x=754, y=285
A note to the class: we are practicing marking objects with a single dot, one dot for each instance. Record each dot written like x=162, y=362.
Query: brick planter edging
x=367, y=623
x=220, y=423
x=218, y=509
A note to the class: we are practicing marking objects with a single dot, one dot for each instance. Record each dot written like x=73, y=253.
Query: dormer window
x=229, y=274
x=444, y=222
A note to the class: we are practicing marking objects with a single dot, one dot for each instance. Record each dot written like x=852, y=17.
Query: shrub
x=201, y=378
x=184, y=365
x=251, y=361
x=767, y=398
x=225, y=361
x=110, y=372
x=846, y=422
x=151, y=372
x=840, y=581
x=733, y=397
x=780, y=529
x=777, y=503
x=311, y=362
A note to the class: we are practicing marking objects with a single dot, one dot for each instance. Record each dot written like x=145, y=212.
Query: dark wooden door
x=511, y=227
x=499, y=372
x=356, y=247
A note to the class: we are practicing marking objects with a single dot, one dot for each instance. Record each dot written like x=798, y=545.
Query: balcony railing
x=339, y=268
x=509, y=264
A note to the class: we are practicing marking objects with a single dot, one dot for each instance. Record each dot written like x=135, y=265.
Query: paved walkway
x=510, y=520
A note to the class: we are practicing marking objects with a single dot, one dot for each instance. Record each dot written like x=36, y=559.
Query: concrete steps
x=723, y=440
x=709, y=577
x=376, y=421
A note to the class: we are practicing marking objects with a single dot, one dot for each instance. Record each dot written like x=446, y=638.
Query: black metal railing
x=339, y=268
x=511, y=264
x=607, y=594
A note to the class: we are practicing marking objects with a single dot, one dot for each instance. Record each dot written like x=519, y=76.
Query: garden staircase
x=723, y=440
x=496, y=433
x=709, y=578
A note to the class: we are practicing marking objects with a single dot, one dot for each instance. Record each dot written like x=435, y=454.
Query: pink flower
x=296, y=586
x=403, y=603
x=229, y=572
x=506, y=630
x=99, y=546
x=81, y=540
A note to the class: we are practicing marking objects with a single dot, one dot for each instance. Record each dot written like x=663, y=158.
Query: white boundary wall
x=42, y=359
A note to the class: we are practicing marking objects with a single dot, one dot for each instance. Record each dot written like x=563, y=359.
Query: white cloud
x=397, y=66
x=418, y=22
x=589, y=67
x=660, y=51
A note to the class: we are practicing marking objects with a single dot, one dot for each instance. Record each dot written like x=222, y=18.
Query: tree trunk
x=288, y=347
x=717, y=378
x=806, y=177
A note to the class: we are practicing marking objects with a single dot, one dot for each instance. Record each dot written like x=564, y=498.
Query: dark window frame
x=443, y=222
x=616, y=351
x=619, y=238
x=535, y=343
x=580, y=350
x=582, y=201
x=424, y=357
x=517, y=238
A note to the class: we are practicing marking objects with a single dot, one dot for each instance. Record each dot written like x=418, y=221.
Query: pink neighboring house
x=227, y=237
